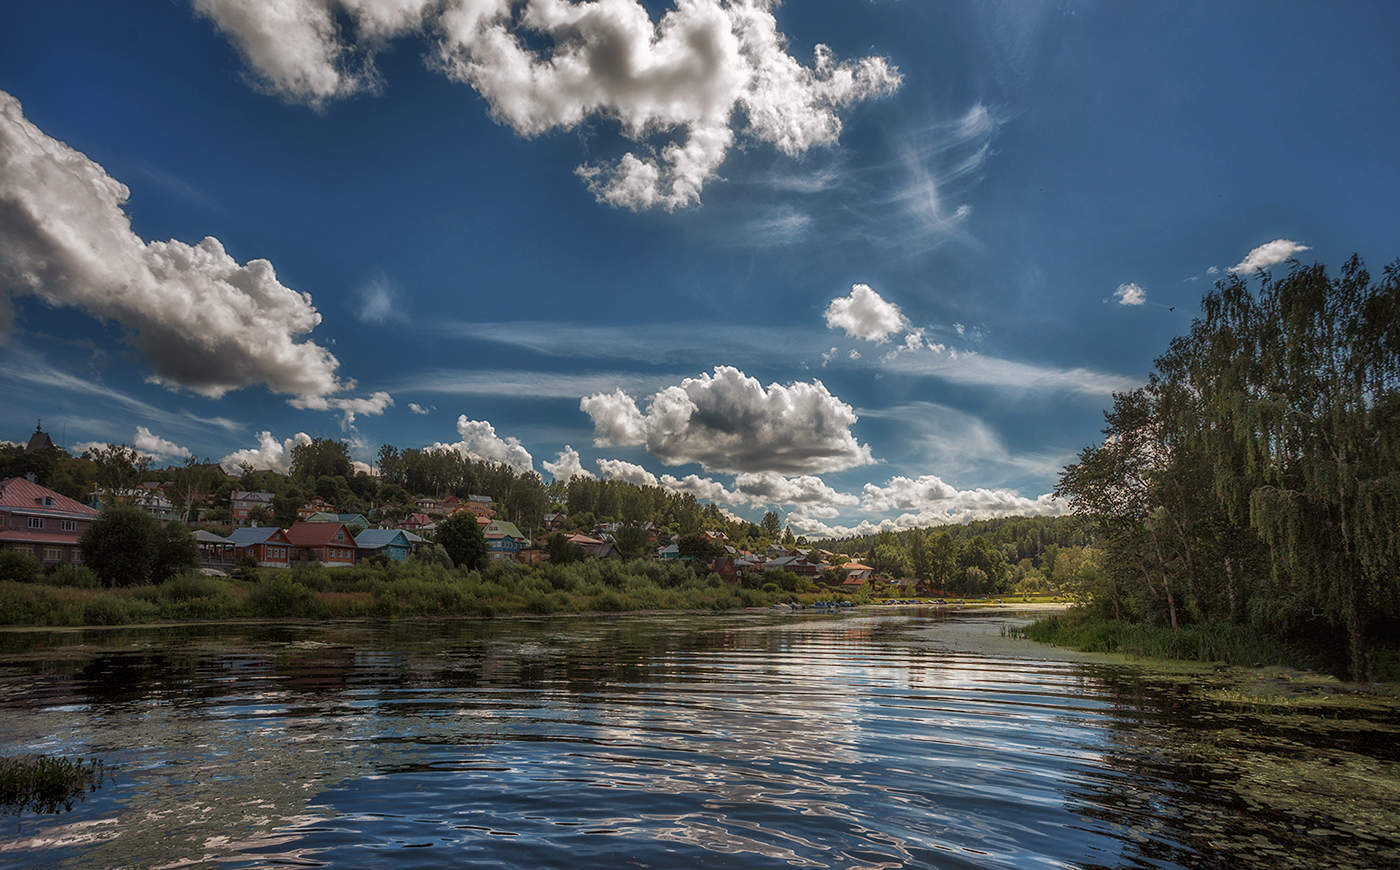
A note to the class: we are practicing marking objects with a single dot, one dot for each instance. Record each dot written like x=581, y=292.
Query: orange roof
x=856, y=566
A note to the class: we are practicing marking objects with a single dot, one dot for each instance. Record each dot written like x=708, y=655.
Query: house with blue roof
x=392, y=543
x=269, y=546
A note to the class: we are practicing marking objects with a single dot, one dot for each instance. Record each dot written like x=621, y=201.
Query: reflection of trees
x=760, y=736
x=1201, y=782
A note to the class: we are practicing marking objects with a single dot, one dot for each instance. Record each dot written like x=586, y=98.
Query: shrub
x=176, y=552
x=74, y=576
x=108, y=609
x=121, y=546
x=20, y=566
x=282, y=596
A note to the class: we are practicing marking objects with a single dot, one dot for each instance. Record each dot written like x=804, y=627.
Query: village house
x=857, y=570
x=268, y=545
x=148, y=498
x=327, y=544
x=554, y=521
x=215, y=551
x=391, y=543
x=593, y=548
x=415, y=522
x=316, y=505
x=356, y=522
x=480, y=505
x=242, y=504
x=504, y=540
x=36, y=520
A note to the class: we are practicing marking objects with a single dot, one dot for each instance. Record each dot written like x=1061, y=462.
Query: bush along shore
x=74, y=597
x=1228, y=643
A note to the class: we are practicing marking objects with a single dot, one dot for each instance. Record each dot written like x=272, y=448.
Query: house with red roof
x=34, y=519
x=328, y=544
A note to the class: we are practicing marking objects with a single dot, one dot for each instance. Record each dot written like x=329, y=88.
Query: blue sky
x=443, y=185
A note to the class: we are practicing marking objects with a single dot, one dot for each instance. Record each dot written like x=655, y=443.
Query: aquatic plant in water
x=46, y=783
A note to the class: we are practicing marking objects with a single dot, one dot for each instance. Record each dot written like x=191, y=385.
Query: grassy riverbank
x=1231, y=644
x=398, y=589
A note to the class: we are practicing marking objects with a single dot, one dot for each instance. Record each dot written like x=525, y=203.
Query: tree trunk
x=1166, y=584
x=1231, y=592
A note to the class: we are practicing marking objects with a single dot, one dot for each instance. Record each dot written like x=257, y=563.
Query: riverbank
x=1206, y=646
x=414, y=589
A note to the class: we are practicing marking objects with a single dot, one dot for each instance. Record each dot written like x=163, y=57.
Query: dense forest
x=1255, y=479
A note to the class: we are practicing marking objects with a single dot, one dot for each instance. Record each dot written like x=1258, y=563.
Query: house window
x=340, y=536
x=70, y=525
x=36, y=522
x=53, y=554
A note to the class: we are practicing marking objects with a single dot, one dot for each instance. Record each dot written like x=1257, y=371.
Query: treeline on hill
x=985, y=557
x=1255, y=479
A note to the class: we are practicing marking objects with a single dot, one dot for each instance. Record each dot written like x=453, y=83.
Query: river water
x=871, y=740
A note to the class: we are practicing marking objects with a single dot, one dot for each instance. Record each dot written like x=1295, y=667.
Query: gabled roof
x=20, y=494
x=502, y=529
x=582, y=539
x=241, y=495
x=249, y=535
x=40, y=440
x=856, y=566
x=374, y=539
x=318, y=535
x=204, y=537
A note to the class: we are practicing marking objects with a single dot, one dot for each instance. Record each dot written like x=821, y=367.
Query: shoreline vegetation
x=1209, y=644
x=47, y=784
x=404, y=590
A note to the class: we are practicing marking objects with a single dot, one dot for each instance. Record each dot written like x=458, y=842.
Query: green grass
x=1231, y=644
x=401, y=589
x=46, y=783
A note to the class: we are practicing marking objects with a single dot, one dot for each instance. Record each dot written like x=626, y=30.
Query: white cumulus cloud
x=1130, y=294
x=418, y=409
x=728, y=421
x=703, y=76
x=1268, y=254
x=627, y=472
x=865, y=314
x=269, y=455
x=479, y=441
x=149, y=443
x=203, y=321
x=370, y=406
x=567, y=466
x=767, y=487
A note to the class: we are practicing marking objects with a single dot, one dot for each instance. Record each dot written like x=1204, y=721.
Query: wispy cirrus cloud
x=976, y=369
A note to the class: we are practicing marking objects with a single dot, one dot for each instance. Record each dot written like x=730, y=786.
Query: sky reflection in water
x=849, y=741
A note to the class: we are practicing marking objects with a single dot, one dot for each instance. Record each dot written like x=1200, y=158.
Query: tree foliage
x=461, y=537
x=1257, y=475
x=122, y=546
